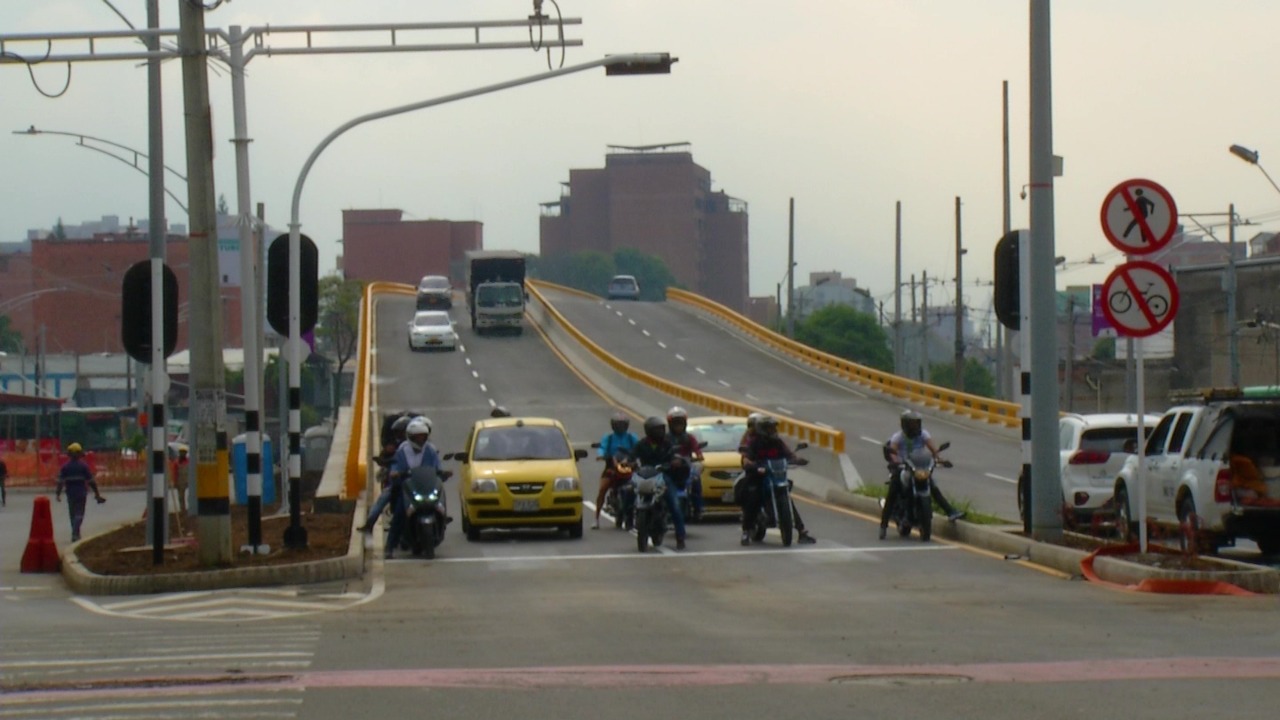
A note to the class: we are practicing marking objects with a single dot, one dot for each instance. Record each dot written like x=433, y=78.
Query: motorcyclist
x=415, y=451
x=655, y=449
x=764, y=443
x=803, y=534
x=686, y=444
x=911, y=436
x=619, y=440
x=499, y=411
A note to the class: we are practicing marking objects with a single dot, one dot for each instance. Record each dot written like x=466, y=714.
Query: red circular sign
x=1139, y=298
x=1139, y=217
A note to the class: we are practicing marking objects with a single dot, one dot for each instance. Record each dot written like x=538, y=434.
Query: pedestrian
x=77, y=479
x=179, y=469
x=4, y=475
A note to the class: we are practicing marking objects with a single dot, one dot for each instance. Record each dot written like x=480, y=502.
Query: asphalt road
x=533, y=626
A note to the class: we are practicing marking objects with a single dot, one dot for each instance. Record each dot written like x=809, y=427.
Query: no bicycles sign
x=1139, y=298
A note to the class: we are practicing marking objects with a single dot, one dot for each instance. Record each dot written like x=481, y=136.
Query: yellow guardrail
x=974, y=406
x=828, y=438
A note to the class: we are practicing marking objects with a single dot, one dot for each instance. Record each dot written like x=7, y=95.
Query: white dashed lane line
x=679, y=357
x=662, y=345
x=784, y=410
x=871, y=440
x=752, y=397
x=646, y=333
x=700, y=371
x=1001, y=478
x=724, y=383
x=631, y=321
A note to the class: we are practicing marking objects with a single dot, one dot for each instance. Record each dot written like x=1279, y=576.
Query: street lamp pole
x=629, y=64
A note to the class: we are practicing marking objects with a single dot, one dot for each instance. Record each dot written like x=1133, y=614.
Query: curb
x=351, y=565
x=1006, y=541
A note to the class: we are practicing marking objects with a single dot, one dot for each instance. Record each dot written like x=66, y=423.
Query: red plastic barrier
x=41, y=555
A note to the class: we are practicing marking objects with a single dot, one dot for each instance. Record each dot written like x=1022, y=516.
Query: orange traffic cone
x=41, y=554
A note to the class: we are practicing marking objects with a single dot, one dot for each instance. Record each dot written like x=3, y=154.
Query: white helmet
x=418, y=427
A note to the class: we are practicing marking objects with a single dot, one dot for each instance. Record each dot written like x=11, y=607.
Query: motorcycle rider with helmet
x=654, y=449
x=686, y=444
x=416, y=451
x=759, y=444
x=392, y=437
x=911, y=436
x=619, y=439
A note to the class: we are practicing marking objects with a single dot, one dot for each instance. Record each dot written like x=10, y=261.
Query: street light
x=81, y=139
x=628, y=64
x=1251, y=157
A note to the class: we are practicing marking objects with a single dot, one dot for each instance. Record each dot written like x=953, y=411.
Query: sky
x=847, y=106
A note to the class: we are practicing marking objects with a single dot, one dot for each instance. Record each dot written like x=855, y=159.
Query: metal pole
x=158, y=516
x=1024, y=375
x=924, y=326
x=1006, y=337
x=1044, y=354
x=1068, y=384
x=959, y=370
x=915, y=317
x=791, y=267
x=897, y=288
x=1233, y=332
x=248, y=302
x=208, y=402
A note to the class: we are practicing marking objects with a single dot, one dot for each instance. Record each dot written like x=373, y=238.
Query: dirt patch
x=127, y=550
x=1159, y=556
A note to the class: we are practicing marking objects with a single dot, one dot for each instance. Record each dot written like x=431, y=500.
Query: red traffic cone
x=41, y=555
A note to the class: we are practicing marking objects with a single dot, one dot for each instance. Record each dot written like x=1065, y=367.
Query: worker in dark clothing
x=76, y=479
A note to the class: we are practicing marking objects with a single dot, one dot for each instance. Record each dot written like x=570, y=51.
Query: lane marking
x=483, y=389
x=679, y=357
x=475, y=374
x=700, y=371
x=1002, y=478
x=870, y=439
x=755, y=550
x=752, y=397
x=646, y=333
x=819, y=423
x=782, y=409
x=724, y=383
x=662, y=345
x=631, y=321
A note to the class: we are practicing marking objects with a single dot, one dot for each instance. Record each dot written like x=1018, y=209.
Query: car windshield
x=499, y=296
x=622, y=284
x=721, y=436
x=1111, y=439
x=434, y=283
x=431, y=320
x=542, y=442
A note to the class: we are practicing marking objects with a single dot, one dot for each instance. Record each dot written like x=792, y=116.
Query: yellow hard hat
x=74, y=448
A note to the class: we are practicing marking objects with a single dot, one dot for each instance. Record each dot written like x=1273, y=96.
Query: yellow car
x=722, y=435
x=519, y=473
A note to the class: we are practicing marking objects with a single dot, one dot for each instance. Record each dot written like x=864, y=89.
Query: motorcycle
x=619, y=499
x=775, y=510
x=914, y=506
x=425, y=509
x=650, y=485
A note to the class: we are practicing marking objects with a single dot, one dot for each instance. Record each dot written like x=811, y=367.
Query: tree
x=1104, y=349
x=650, y=271
x=60, y=231
x=223, y=208
x=590, y=271
x=339, y=315
x=843, y=331
x=10, y=339
x=977, y=378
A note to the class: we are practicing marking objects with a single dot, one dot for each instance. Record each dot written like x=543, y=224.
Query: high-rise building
x=657, y=200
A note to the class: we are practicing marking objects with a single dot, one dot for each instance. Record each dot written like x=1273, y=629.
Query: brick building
x=380, y=245
x=655, y=199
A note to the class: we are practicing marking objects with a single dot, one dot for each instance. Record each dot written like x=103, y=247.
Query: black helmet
x=911, y=423
x=767, y=426
x=619, y=422
x=499, y=412
x=677, y=419
x=655, y=428
x=398, y=427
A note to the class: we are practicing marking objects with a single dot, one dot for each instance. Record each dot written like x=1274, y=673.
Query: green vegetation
x=338, y=328
x=10, y=339
x=879, y=490
x=977, y=379
x=590, y=271
x=847, y=333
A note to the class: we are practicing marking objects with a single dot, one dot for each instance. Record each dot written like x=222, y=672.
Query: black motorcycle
x=774, y=488
x=650, y=485
x=425, y=510
x=620, y=497
x=913, y=508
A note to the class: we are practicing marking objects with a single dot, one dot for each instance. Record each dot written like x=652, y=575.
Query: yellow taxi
x=722, y=435
x=519, y=473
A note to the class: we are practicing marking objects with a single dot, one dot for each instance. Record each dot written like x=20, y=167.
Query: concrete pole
x=1068, y=384
x=157, y=515
x=1233, y=332
x=791, y=271
x=959, y=370
x=1005, y=337
x=248, y=301
x=897, y=288
x=208, y=401
x=922, y=373
x=1047, y=520
x=915, y=317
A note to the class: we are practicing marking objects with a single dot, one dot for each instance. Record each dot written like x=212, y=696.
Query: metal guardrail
x=813, y=434
x=974, y=406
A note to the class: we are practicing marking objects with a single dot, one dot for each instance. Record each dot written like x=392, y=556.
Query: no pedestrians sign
x=1139, y=217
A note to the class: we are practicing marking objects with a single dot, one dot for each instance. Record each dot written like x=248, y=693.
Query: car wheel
x=1189, y=539
x=471, y=531
x=575, y=530
x=1125, y=530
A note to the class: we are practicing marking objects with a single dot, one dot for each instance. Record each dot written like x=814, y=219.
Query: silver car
x=432, y=330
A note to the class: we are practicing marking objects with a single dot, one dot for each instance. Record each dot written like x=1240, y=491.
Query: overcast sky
x=845, y=105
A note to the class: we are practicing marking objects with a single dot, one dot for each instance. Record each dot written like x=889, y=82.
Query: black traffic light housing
x=278, y=285
x=135, y=311
x=1007, y=296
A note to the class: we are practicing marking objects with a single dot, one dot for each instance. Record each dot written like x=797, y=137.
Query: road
x=532, y=626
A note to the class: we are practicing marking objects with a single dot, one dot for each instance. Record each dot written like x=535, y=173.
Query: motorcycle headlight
x=433, y=496
x=565, y=484
x=922, y=475
x=484, y=485
x=419, y=497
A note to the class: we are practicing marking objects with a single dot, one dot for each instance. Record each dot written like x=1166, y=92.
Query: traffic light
x=135, y=311
x=278, y=285
x=1008, y=291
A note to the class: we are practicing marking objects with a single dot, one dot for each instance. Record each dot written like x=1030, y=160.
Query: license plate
x=525, y=506
x=433, y=341
x=728, y=497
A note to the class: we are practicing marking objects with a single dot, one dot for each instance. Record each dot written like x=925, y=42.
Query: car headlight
x=484, y=485
x=565, y=484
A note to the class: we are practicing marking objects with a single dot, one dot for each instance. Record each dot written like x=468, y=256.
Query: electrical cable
x=539, y=44
x=35, y=83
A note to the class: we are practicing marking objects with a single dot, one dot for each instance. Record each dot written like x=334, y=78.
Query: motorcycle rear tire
x=642, y=530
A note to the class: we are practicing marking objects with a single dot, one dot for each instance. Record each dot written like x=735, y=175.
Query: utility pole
x=897, y=288
x=1004, y=337
x=959, y=376
x=791, y=274
x=1068, y=386
x=158, y=514
x=914, y=318
x=1233, y=332
x=208, y=391
x=924, y=325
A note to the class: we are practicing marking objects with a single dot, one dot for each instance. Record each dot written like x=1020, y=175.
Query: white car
x=1093, y=449
x=432, y=330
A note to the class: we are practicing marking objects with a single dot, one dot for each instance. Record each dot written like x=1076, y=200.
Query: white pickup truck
x=1212, y=471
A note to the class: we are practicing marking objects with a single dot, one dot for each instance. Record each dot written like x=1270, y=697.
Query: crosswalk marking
x=225, y=605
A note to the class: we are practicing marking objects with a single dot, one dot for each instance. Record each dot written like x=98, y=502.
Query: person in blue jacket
x=76, y=479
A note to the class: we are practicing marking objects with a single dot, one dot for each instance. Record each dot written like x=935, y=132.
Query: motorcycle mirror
x=944, y=446
x=595, y=444
x=801, y=446
x=579, y=454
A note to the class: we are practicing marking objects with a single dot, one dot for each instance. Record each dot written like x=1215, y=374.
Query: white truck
x=1197, y=476
x=495, y=290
